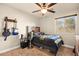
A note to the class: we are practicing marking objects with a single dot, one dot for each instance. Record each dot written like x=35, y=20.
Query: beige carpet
x=63, y=51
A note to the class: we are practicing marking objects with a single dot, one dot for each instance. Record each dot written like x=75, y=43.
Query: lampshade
x=43, y=11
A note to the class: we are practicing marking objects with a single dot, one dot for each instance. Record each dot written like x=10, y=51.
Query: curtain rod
x=66, y=16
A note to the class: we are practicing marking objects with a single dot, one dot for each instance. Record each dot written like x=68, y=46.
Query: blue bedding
x=54, y=37
x=51, y=42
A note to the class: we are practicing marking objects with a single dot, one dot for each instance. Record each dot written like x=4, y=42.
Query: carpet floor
x=63, y=51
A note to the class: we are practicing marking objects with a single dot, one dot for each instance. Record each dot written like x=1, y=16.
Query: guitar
x=15, y=31
x=6, y=32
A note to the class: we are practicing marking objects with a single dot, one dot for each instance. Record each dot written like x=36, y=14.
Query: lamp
x=43, y=11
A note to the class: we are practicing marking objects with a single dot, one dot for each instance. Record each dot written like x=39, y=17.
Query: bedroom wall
x=23, y=19
x=48, y=24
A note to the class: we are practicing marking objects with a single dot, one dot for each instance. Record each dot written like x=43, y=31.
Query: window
x=66, y=24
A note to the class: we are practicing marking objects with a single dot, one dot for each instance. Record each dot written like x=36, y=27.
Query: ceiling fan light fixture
x=43, y=11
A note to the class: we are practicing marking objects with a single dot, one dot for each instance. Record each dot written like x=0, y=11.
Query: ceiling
x=29, y=7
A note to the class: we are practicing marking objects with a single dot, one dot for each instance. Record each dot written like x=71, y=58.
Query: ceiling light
x=43, y=11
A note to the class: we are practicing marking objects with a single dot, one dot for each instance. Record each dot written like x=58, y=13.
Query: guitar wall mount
x=6, y=31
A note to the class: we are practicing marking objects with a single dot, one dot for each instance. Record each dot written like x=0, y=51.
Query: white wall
x=23, y=20
x=48, y=24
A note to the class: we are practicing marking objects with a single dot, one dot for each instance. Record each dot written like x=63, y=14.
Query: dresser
x=77, y=45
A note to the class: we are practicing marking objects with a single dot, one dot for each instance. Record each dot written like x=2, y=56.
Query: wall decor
x=6, y=31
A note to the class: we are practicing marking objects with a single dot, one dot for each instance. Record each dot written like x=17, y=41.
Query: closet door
x=77, y=45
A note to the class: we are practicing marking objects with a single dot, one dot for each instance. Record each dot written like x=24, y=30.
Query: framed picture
x=66, y=24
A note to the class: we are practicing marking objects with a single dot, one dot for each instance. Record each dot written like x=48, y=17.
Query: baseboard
x=9, y=49
x=68, y=46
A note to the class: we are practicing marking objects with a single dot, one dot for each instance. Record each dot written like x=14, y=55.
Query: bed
x=51, y=42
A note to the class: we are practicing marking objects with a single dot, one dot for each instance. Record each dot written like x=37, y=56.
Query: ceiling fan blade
x=38, y=4
x=51, y=4
x=35, y=11
x=51, y=11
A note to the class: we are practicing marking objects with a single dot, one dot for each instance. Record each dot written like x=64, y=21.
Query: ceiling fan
x=44, y=8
